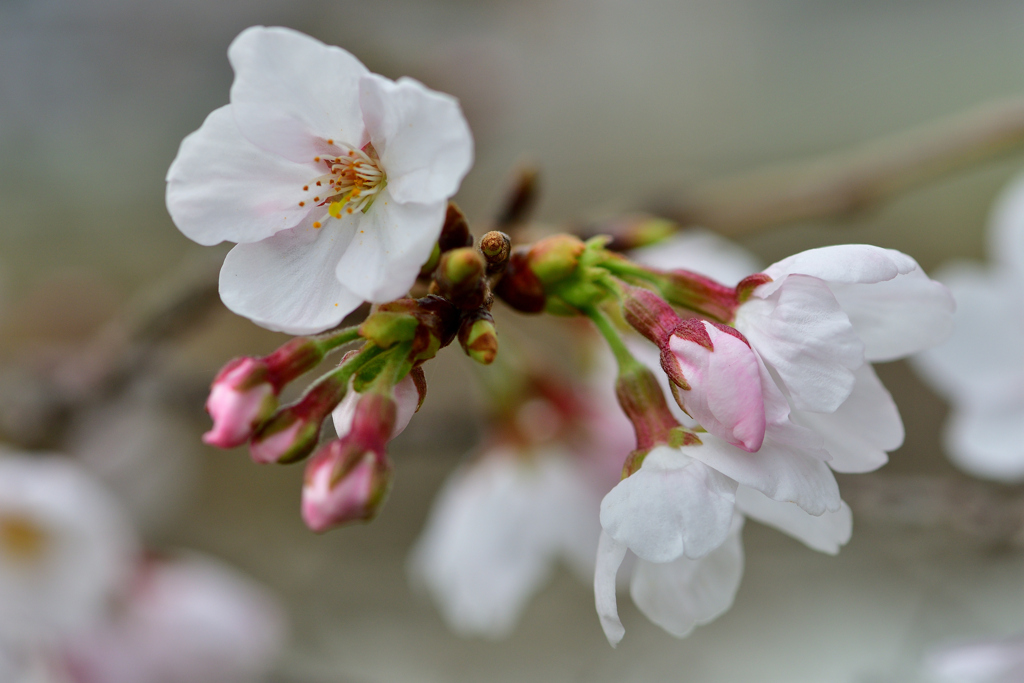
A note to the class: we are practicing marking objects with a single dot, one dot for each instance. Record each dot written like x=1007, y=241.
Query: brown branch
x=850, y=182
x=989, y=514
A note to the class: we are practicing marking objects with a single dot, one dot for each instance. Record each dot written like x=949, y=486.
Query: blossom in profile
x=333, y=181
x=980, y=370
x=814, y=322
x=65, y=549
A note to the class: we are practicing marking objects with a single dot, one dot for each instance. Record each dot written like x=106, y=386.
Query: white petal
x=494, y=533
x=701, y=251
x=391, y=243
x=843, y=264
x=825, y=533
x=222, y=187
x=900, y=316
x=790, y=466
x=685, y=593
x=292, y=93
x=421, y=136
x=802, y=334
x=610, y=554
x=988, y=442
x=1006, y=227
x=863, y=430
x=287, y=282
x=672, y=506
x=982, y=361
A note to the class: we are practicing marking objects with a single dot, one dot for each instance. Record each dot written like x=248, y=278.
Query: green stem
x=328, y=341
x=623, y=357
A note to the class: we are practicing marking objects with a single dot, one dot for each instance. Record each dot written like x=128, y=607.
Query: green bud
x=461, y=266
x=386, y=328
x=479, y=339
x=555, y=258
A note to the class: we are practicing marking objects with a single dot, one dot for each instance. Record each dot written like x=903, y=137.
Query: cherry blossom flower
x=502, y=521
x=980, y=370
x=65, y=549
x=185, y=619
x=814, y=329
x=332, y=180
x=497, y=529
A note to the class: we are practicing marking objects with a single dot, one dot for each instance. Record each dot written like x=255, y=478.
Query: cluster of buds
x=375, y=389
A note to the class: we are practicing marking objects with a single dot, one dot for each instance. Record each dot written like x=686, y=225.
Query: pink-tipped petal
x=725, y=395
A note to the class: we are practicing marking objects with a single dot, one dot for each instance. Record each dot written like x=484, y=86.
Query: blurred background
x=619, y=104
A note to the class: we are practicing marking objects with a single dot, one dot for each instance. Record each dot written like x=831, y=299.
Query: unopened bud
x=460, y=277
x=344, y=483
x=241, y=399
x=244, y=393
x=519, y=287
x=648, y=314
x=293, y=432
x=455, y=232
x=718, y=383
x=521, y=198
x=555, y=258
x=496, y=247
x=408, y=396
x=642, y=400
x=479, y=338
x=386, y=328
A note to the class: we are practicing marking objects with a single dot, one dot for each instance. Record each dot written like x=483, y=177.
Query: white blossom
x=65, y=549
x=332, y=180
x=980, y=370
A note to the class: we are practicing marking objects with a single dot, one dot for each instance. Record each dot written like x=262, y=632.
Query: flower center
x=21, y=538
x=352, y=182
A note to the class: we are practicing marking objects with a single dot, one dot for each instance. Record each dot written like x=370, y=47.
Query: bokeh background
x=618, y=103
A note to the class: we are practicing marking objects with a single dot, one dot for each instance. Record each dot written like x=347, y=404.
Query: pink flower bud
x=294, y=431
x=408, y=395
x=722, y=386
x=349, y=478
x=244, y=393
x=241, y=398
x=343, y=484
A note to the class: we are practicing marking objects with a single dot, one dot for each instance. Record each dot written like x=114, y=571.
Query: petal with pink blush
x=725, y=395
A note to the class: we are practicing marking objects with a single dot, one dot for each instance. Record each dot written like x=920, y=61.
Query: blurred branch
x=850, y=182
x=991, y=514
x=35, y=404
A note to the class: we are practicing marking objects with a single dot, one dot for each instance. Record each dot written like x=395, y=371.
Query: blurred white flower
x=185, y=620
x=503, y=521
x=332, y=180
x=987, y=661
x=980, y=370
x=496, y=531
x=65, y=549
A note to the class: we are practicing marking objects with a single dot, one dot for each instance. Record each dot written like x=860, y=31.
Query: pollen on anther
x=305, y=188
x=302, y=203
x=316, y=199
x=318, y=183
x=316, y=158
x=317, y=224
x=330, y=141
